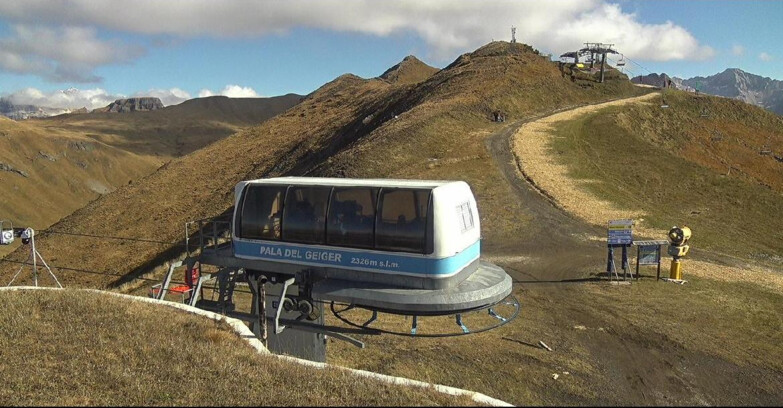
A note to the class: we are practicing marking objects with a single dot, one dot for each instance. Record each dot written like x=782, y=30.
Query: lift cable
x=104, y=273
x=111, y=237
x=79, y=270
x=639, y=65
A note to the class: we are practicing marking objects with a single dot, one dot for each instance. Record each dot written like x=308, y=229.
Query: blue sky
x=182, y=49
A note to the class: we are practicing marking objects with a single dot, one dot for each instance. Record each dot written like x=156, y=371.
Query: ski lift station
x=389, y=247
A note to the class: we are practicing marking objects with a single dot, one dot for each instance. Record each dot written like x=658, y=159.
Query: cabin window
x=402, y=224
x=262, y=212
x=465, y=216
x=351, y=218
x=304, y=218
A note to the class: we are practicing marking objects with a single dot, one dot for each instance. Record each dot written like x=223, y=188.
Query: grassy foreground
x=81, y=348
x=708, y=342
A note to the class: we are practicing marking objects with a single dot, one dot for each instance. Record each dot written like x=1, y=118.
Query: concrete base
x=487, y=286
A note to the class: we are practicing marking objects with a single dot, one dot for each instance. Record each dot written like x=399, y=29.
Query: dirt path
x=563, y=247
x=530, y=148
x=567, y=244
x=530, y=145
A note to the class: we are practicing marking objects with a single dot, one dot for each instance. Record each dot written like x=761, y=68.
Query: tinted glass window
x=351, y=217
x=402, y=225
x=261, y=212
x=304, y=218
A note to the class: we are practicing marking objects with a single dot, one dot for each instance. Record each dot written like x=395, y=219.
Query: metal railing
x=211, y=234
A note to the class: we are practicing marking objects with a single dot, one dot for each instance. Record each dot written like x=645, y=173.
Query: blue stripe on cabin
x=370, y=260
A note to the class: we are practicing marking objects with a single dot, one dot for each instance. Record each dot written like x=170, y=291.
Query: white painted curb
x=245, y=333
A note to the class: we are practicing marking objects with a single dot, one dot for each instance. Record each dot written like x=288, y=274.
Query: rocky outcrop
x=133, y=105
x=657, y=80
x=9, y=168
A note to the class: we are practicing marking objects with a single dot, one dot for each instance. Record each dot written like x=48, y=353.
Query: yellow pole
x=676, y=270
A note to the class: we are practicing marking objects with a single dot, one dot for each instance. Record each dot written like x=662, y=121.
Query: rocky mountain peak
x=731, y=83
x=133, y=105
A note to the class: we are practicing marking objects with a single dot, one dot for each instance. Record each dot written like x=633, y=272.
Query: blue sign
x=620, y=232
x=368, y=260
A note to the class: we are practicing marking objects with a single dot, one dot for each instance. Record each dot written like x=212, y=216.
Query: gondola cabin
x=404, y=233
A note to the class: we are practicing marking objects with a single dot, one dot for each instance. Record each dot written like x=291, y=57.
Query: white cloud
x=66, y=99
x=169, y=97
x=447, y=26
x=63, y=54
x=74, y=98
x=738, y=50
x=765, y=57
x=232, y=91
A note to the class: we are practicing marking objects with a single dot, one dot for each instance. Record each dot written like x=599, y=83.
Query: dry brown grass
x=81, y=348
x=344, y=128
x=71, y=160
x=648, y=343
x=64, y=169
x=658, y=166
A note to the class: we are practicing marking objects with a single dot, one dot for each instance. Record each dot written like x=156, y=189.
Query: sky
x=85, y=53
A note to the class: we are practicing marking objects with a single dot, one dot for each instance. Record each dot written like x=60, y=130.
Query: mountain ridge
x=733, y=83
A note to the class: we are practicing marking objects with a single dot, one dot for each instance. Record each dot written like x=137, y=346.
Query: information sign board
x=649, y=255
x=620, y=232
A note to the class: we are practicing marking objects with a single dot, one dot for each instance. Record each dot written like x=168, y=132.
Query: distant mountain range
x=18, y=112
x=731, y=83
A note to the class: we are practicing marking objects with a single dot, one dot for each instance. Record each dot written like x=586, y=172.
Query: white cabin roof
x=353, y=182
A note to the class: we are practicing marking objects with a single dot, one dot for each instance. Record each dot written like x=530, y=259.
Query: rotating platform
x=487, y=286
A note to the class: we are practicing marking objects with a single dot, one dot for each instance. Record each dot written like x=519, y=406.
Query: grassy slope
x=174, y=130
x=669, y=163
x=199, y=184
x=441, y=135
x=447, y=118
x=65, y=170
x=444, y=117
x=651, y=343
x=78, y=348
x=74, y=159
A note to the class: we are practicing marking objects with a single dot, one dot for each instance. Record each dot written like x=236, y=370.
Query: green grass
x=727, y=214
